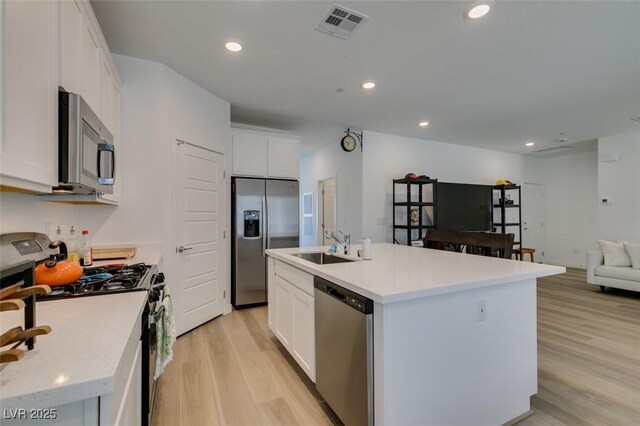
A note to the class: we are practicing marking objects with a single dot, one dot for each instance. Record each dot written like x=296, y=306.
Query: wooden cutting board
x=113, y=253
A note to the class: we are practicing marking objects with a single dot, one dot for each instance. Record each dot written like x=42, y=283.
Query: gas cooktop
x=107, y=279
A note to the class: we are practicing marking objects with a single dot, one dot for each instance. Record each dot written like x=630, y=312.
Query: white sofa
x=598, y=273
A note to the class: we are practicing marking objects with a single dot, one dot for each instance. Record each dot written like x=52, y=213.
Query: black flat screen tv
x=464, y=207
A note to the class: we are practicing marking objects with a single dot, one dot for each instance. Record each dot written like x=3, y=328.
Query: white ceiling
x=528, y=71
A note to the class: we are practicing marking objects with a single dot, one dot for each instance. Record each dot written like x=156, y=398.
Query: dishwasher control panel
x=348, y=297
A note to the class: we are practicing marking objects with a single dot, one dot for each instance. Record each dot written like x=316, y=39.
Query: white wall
x=159, y=105
x=346, y=167
x=619, y=181
x=388, y=157
x=571, y=207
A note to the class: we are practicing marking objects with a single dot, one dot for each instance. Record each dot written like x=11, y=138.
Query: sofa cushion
x=619, y=272
x=614, y=254
x=633, y=251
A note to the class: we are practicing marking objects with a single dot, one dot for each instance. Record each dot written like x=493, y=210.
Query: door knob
x=182, y=249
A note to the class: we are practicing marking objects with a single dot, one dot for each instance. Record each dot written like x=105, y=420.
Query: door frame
x=539, y=256
x=177, y=139
x=320, y=207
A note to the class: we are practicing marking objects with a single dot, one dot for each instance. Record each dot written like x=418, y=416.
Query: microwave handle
x=104, y=146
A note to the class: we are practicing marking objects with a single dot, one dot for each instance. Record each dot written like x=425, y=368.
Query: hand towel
x=165, y=335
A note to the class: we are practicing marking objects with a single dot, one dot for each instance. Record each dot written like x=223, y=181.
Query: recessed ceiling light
x=530, y=143
x=423, y=123
x=233, y=46
x=478, y=9
x=368, y=85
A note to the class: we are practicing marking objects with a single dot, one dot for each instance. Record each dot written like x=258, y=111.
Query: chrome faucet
x=340, y=238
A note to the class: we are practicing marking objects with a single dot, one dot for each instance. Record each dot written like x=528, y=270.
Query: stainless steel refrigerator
x=265, y=215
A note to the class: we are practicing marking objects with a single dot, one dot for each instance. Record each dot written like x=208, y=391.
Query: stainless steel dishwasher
x=344, y=351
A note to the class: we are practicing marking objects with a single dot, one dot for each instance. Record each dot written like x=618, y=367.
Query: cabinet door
x=71, y=46
x=91, y=62
x=130, y=412
x=115, y=128
x=284, y=312
x=283, y=158
x=304, y=345
x=106, y=91
x=271, y=282
x=29, y=48
x=249, y=154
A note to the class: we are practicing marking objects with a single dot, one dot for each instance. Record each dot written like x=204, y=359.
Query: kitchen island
x=454, y=335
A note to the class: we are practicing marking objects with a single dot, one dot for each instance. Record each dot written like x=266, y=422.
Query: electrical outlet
x=575, y=251
x=382, y=221
x=481, y=310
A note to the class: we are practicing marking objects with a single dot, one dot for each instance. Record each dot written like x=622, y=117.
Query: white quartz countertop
x=399, y=273
x=79, y=358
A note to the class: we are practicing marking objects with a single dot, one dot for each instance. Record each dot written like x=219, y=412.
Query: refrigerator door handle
x=264, y=225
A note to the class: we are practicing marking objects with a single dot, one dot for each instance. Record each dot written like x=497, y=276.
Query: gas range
x=108, y=279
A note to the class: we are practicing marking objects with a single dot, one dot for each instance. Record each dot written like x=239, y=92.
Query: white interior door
x=198, y=219
x=533, y=218
x=326, y=210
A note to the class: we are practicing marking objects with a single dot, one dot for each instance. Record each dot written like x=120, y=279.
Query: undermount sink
x=322, y=258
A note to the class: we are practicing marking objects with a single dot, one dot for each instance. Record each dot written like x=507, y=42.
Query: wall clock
x=348, y=143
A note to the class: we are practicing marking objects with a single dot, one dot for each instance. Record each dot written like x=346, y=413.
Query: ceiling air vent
x=341, y=22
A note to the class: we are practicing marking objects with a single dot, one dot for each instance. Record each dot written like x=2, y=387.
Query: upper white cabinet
x=263, y=155
x=46, y=44
x=91, y=66
x=28, y=81
x=282, y=157
x=114, y=126
x=249, y=154
x=71, y=30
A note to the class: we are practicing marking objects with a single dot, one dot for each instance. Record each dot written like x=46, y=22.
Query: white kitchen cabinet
x=106, y=91
x=45, y=45
x=304, y=345
x=71, y=27
x=262, y=155
x=29, y=111
x=96, y=411
x=283, y=158
x=249, y=154
x=91, y=64
x=291, y=305
x=271, y=282
x=115, y=128
x=130, y=410
x=284, y=312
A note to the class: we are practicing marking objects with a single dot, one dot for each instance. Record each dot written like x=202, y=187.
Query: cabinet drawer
x=302, y=280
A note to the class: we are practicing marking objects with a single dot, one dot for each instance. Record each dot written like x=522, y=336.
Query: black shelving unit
x=421, y=226
x=501, y=225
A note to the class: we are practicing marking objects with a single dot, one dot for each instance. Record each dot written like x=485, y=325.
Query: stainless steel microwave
x=86, y=155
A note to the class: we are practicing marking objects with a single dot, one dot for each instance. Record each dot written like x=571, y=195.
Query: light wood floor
x=232, y=371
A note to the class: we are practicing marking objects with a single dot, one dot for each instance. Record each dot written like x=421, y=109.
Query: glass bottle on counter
x=73, y=246
x=87, y=251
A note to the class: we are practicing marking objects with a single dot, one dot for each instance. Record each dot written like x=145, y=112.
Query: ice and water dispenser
x=251, y=223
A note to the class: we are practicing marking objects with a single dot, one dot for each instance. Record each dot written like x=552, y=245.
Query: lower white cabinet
x=123, y=407
x=130, y=410
x=284, y=312
x=291, y=313
x=304, y=345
